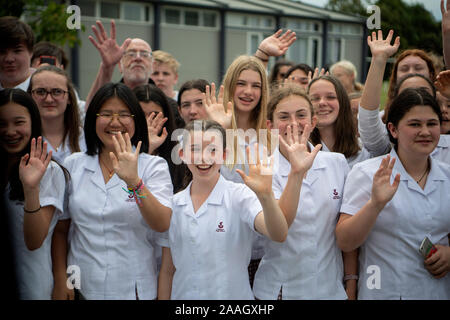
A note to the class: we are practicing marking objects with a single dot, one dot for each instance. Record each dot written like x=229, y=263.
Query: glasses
x=134, y=54
x=124, y=118
x=42, y=93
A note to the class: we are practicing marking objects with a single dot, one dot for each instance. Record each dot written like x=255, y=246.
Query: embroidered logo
x=220, y=227
x=336, y=194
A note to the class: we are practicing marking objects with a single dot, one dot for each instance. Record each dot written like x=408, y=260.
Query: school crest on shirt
x=220, y=227
x=336, y=195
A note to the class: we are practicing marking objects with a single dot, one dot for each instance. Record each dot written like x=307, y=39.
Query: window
x=334, y=53
x=87, y=8
x=132, y=11
x=172, y=16
x=209, y=19
x=253, y=21
x=110, y=10
x=191, y=18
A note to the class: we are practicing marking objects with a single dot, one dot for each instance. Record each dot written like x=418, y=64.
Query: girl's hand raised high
x=383, y=48
x=154, y=124
x=382, y=189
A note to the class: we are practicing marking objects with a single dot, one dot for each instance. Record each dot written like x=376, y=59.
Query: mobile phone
x=48, y=59
x=427, y=248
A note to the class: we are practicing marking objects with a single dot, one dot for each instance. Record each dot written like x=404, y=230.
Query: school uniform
x=362, y=154
x=442, y=150
x=63, y=151
x=110, y=238
x=308, y=265
x=392, y=246
x=34, y=268
x=211, y=248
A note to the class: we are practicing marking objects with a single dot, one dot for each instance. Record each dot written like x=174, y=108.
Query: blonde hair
x=258, y=116
x=165, y=57
x=349, y=68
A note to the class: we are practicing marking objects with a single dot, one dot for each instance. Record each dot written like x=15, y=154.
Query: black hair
x=122, y=92
x=15, y=32
x=405, y=101
x=22, y=98
x=276, y=69
x=414, y=75
x=301, y=66
x=151, y=93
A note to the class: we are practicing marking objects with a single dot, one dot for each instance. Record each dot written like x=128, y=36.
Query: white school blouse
x=109, y=237
x=34, y=268
x=211, y=248
x=393, y=243
x=308, y=265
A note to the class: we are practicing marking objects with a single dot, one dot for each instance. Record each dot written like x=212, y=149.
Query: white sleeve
x=156, y=178
x=247, y=204
x=52, y=188
x=357, y=191
x=373, y=132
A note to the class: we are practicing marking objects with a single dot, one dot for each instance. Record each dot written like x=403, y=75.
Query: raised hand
x=214, y=107
x=259, y=177
x=317, y=74
x=382, y=190
x=124, y=160
x=383, y=48
x=155, y=124
x=33, y=165
x=442, y=83
x=296, y=148
x=445, y=10
x=108, y=48
x=277, y=44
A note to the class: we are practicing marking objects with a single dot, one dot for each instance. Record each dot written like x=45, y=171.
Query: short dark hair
x=276, y=69
x=45, y=48
x=414, y=75
x=405, y=101
x=301, y=66
x=22, y=98
x=15, y=32
x=199, y=84
x=122, y=92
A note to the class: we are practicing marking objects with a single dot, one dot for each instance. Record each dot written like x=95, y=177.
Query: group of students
x=303, y=208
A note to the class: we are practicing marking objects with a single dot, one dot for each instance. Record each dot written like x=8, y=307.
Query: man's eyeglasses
x=42, y=93
x=133, y=54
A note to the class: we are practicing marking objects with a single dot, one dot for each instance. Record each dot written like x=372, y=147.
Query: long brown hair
x=345, y=133
x=71, y=115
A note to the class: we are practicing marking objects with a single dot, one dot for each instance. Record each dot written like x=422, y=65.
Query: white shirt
x=63, y=151
x=34, y=268
x=362, y=154
x=24, y=85
x=211, y=248
x=232, y=175
x=308, y=265
x=393, y=243
x=375, y=138
x=110, y=237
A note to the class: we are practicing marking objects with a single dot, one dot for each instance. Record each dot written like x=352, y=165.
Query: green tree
x=48, y=19
x=353, y=7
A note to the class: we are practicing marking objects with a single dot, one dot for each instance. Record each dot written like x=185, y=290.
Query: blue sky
x=431, y=5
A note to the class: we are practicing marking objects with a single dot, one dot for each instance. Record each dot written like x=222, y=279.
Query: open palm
x=33, y=165
x=259, y=177
x=380, y=47
x=382, y=189
x=124, y=160
x=277, y=44
x=215, y=108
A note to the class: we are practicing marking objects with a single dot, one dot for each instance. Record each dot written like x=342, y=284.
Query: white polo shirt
x=393, y=243
x=34, y=268
x=211, y=248
x=109, y=240
x=308, y=265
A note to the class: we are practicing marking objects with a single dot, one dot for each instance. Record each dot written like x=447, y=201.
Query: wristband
x=263, y=60
x=268, y=55
x=350, y=277
x=31, y=211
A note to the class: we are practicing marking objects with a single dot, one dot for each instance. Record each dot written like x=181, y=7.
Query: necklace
x=110, y=172
x=423, y=175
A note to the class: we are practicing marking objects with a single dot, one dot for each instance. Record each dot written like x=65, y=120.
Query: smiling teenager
x=120, y=197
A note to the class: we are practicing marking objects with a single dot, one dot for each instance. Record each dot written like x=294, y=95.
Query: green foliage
x=48, y=19
x=352, y=7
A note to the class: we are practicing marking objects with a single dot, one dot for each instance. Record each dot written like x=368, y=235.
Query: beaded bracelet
x=136, y=192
